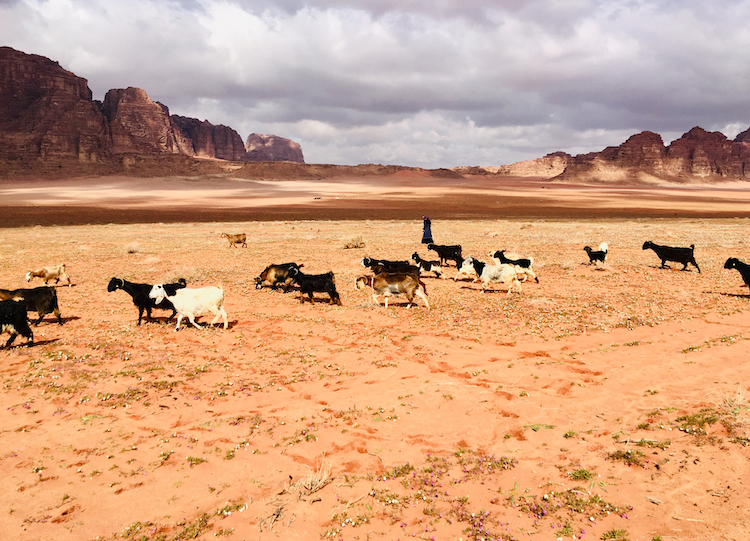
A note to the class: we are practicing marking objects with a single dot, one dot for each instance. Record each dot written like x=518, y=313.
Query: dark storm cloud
x=432, y=83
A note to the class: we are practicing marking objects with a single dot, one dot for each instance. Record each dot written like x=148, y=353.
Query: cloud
x=416, y=82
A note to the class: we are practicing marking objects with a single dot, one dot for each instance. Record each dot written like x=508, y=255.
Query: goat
x=466, y=270
x=597, y=255
x=277, y=274
x=393, y=284
x=522, y=265
x=428, y=266
x=670, y=253
x=140, y=294
x=13, y=320
x=42, y=300
x=315, y=283
x=237, y=238
x=743, y=268
x=447, y=252
x=49, y=273
x=193, y=302
x=504, y=274
x=386, y=265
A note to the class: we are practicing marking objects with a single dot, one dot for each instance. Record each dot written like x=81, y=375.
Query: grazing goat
x=277, y=274
x=386, y=264
x=49, y=273
x=428, y=266
x=743, y=268
x=315, y=283
x=447, y=252
x=504, y=274
x=191, y=303
x=597, y=255
x=42, y=300
x=393, y=284
x=13, y=320
x=140, y=294
x=522, y=265
x=234, y=239
x=670, y=253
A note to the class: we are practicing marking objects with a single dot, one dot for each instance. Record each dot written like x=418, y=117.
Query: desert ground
x=604, y=402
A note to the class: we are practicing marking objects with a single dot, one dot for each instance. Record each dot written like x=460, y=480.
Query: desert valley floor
x=604, y=402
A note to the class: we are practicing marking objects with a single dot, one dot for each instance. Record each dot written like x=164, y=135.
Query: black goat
x=42, y=300
x=447, y=252
x=387, y=264
x=140, y=295
x=597, y=255
x=743, y=268
x=312, y=283
x=277, y=274
x=13, y=320
x=671, y=253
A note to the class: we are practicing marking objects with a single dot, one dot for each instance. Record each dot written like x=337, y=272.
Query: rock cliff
x=697, y=156
x=209, y=141
x=47, y=114
x=271, y=148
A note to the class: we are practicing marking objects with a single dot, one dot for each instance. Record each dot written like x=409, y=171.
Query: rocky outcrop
x=697, y=156
x=209, y=141
x=142, y=126
x=47, y=112
x=549, y=166
x=271, y=148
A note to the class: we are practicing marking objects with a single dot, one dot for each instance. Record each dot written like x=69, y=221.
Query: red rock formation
x=139, y=125
x=46, y=111
x=210, y=141
x=696, y=156
x=271, y=148
x=47, y=114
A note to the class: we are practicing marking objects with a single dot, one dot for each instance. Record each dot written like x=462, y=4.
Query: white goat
x=49, y=273
x=193, y=302
x=522, y=273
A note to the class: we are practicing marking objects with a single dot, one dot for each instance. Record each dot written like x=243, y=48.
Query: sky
x=422, y=83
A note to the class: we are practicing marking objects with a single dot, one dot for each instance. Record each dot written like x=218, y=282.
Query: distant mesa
x=47, y=113
x=697, y=156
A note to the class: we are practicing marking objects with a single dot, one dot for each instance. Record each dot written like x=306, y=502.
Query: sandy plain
x=604, y=402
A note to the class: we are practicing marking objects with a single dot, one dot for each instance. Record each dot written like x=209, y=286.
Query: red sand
x=602, y=402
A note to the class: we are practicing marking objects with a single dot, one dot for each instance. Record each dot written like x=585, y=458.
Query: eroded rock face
x=140, y=125
x=272, y=148
x=209, y=141
x=548, y=166
x=47, y=112
x=696, y=156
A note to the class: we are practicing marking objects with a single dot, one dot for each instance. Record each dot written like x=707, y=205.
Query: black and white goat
x=597, y=255
x=524, y=265
x=743, y=268
x=428, y=266
x=13, y=320
x=504, y=274
x=671, y=253
x=42, y=300
x=140, y=294
x=315, y=283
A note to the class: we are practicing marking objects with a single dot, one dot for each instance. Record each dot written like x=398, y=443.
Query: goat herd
x=388, y=278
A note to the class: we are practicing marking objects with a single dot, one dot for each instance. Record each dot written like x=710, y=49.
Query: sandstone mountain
x=47, y=115
x=271, y=148
x=697, y=156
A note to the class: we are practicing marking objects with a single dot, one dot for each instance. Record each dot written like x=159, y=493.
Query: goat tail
x=692, y=246
x=603, y=247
